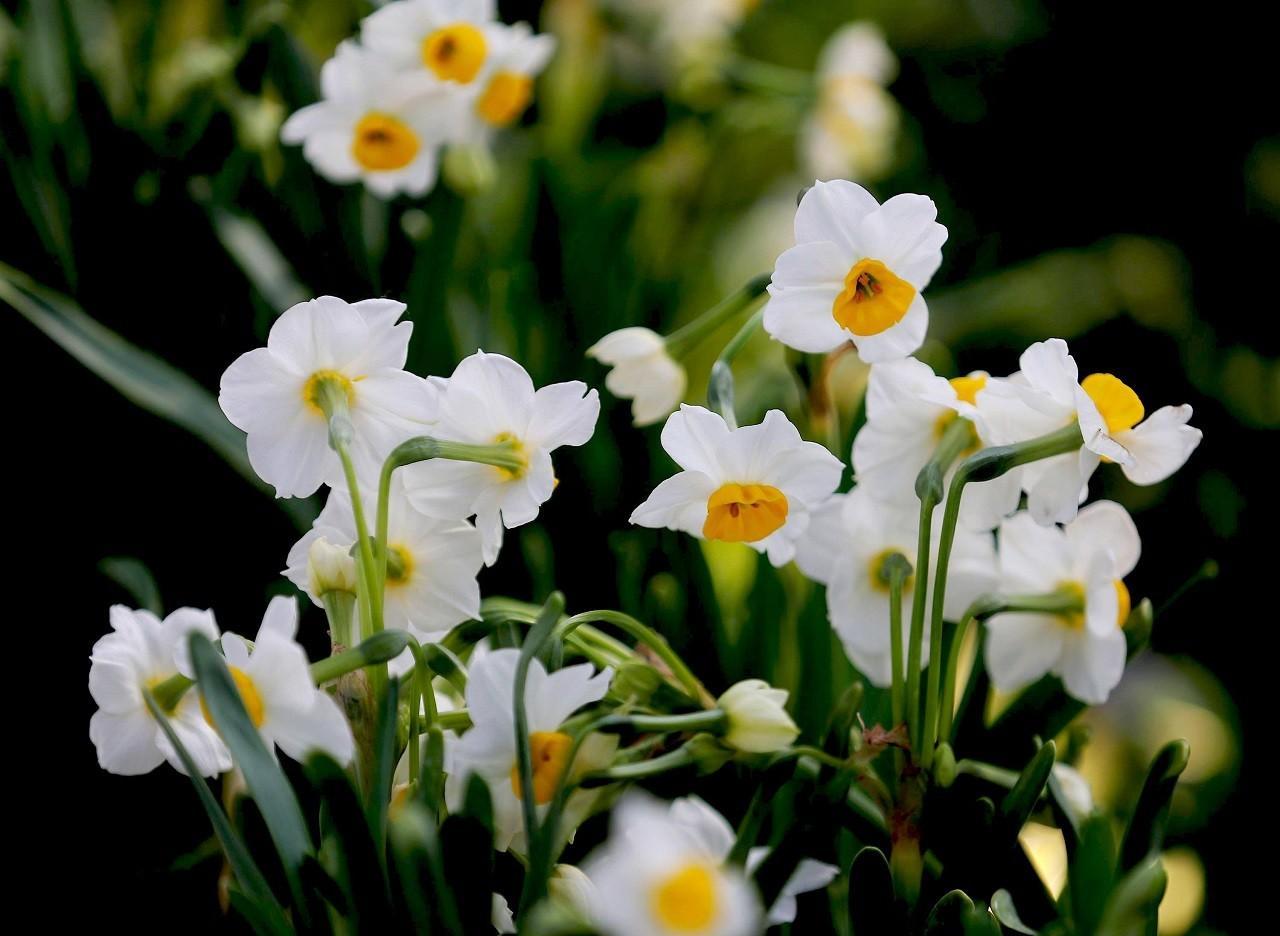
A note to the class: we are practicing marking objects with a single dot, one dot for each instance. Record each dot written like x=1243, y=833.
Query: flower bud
x=569, y=886
x=944, y=765
x=758, y=719
x=469, y=168
x=329, y=568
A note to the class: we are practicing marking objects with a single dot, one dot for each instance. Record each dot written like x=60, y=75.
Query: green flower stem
x=651, y=639
x=713, y=720
x=685, y=337
x=898, y=569
x=982, y=466
x=680, y=757
x=989, y=772
x=948, y=701
x=720, y=386
x=339, y=608
x=955, y=438
x=375, y=650
x=170, y=692
x=771, y=78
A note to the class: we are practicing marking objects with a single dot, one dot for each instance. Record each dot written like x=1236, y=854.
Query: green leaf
x=1145, y=834
x=262, y=774
x=257, y=256
x=1007, y=914
x=1091, y=874
x=360, y=862
x=423, y=889
x=466, y=840
x=135, y=578
x=257, y=891
x=384, y=763
x=1134, y=903
x=1019, y=802
x=873, y=909
x=956, y=915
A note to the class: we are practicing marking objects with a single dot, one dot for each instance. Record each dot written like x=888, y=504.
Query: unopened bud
x=329, y=569
x=758, y=719
x=944, y=765
x=570, y=887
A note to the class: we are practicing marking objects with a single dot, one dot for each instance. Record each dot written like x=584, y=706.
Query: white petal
x=830, y=211
x=695, y=438
x=678, y=503
x=552, y=698
x=126, y=743
x=1021, y=648
x=563, y=414
x=319, y=727
x=1106, y=525
x=1160, y=444
x=1033, y=558
x=711, y=829
x=1092, y=665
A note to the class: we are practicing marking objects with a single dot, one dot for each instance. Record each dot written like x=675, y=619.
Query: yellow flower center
x=744, y=513
x=686, y=901
x=1124, y=602
x=880, y=575
x=874, y=299
x=1075, y=619
x=383, y=143
x=1120, y=407
x=549, y=751
x=511, y=474
x=399, y=565
x=455, y=52
x=248, y=695
x=505, y=98
x=967, y=388
x=323, y=380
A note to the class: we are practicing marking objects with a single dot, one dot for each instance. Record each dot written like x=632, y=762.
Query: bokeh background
x=1109, y=173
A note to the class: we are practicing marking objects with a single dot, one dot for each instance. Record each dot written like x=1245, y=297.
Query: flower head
x=643, y=372
x=1047, y=394
x=489, y=746
x=138, y=655
x=1089, y=559
x=449, y=41
x=325, y=346
x=753, y=485
x=374, y=124
x=856, y=273
x=505, y=88
x=758, y=719
x=491, y=399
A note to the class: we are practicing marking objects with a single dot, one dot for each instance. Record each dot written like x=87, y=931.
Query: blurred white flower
x=1090, y=558
x=491, y=399
x=754, y=484
x=325, y=345
x=1047, y=395
x=501, y=917
x=506, y=87
x=856, y=273
x=374, y=124
x=849, y=541
x=659, y=875
x=450, y=41
x=139, y=654
x=758, y=719
x=642, y=371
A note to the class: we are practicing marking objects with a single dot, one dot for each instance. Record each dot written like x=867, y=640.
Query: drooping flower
x=758, y=719
x=432, y=564
x=856, y=273
x=848, y=545
x=754, y=484
x=1047, y=395
x=491, y=399
x=489, y=747
x=1088, y=558
x=643, y=371
x=450, y=41
x=908, y=410
x=275, y=685
x=138, y=655
x=658, y=875
x=375, y=124
x=505, y=88
x=325, y=345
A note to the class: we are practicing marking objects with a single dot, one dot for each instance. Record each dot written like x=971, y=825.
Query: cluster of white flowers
x=425, y=75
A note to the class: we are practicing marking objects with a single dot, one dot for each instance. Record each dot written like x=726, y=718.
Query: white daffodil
x=275, y=685
x=431, y=564
x=643, y=371
x=753, y=485
x=758, y=719
x=449, y=41
x=139, y=655
x=848, y=544
x=491, y=399
x=324, y=346
x=1090, y=558
x=658, y=875
x=856, y=273
x=489, y=747
x=374, y=124
x=908, y=409
x=853, y=128
x=1047, y=394
x=505, y=88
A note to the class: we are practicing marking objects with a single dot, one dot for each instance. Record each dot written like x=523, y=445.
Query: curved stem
x=651, y=639
x=720, y=385
x=690, y=334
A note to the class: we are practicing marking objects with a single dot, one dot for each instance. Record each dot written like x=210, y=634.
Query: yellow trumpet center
x=400, y=565
x=383, y=143
x=505, y=98
x=1075, y=619
x=549, y=751
x=880, y=576
x=685, y=902
x=874, y=299
x=455, y=52
x=322, y=380
x=1119, y=405
x=1124, y=603
x=511, y=474
x=248, y=695
x=967, y=388
x=744, y=513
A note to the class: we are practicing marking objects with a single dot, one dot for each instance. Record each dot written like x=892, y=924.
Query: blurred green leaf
x=1135, y=901
x=956, y=915
x=1006, y=913
x=134, y=577
x=1145, y=834
x=1018, y=804
x=359, y=860
x=378, y=786
x=873, y=909
x=1091, y=874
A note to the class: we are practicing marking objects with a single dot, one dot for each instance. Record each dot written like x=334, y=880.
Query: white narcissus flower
x=848, y=544
x=431, y=564
x=449, y=41
x=758, y=719
x=374, y=124
x=136, y=656
x=856, y=273
x=657, y=875
x=489, y=747
x=908, y=409
x=753, y=485
x=491, y=399
x=328, y=568
x=1090, y=558
x=505, y=88
x=1047, y=395
x=643, y=371
x=326, y=345
x=275, y=685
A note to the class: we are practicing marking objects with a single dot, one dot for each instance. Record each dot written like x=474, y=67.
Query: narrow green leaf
x=360, y=862
x=135, y=578
x=1145, y=834
x=956, y=915
x=873, y=908
x=1019, y=802
x=257, y=256
x=1007, y=914
x=1135, y=901
x=384, y=763
x=466, y=840
x=420, y=864
x=1091, y=874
